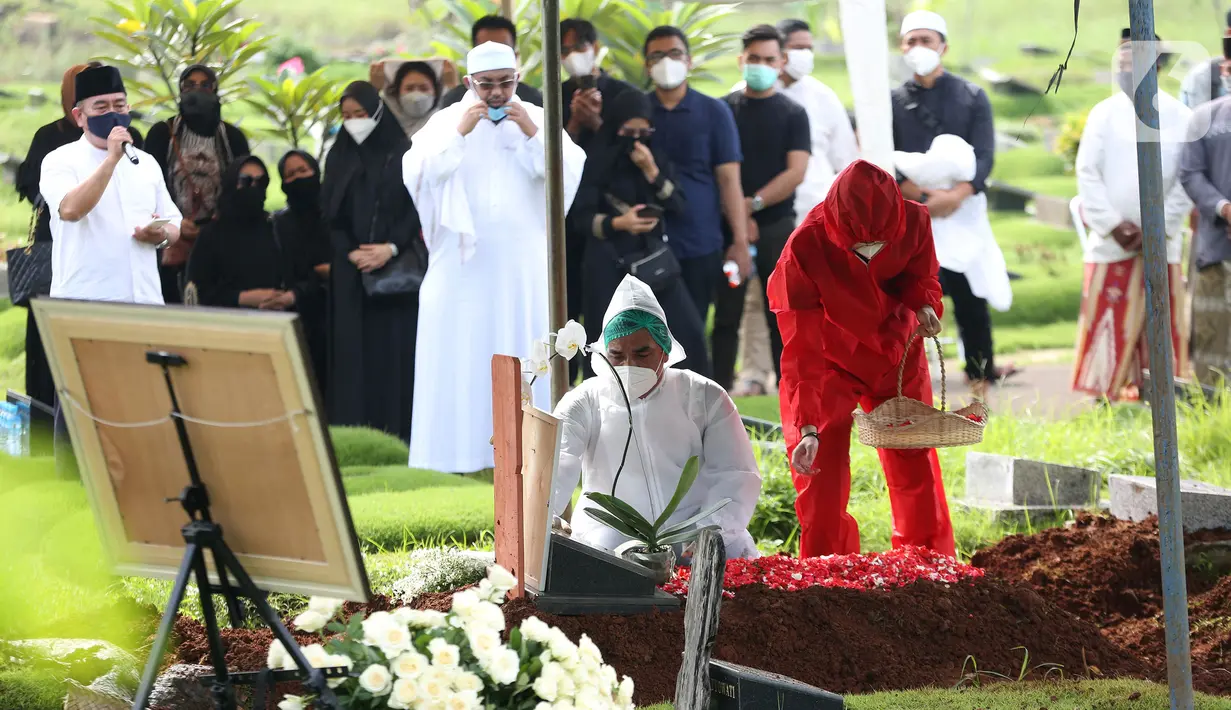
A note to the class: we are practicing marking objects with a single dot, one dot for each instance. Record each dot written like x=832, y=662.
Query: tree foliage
x=158, y=39
x=296, y=107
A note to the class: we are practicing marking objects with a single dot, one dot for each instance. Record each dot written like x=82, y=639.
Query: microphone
x=132, y=157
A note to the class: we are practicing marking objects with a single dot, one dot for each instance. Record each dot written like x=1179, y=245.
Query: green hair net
x=628, y=322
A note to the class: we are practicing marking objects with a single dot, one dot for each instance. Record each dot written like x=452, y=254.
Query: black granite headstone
x=734, y=687
x=585, y=580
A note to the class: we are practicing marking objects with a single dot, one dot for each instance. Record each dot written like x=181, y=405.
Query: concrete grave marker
x=1205, y=506
x=1012, y=486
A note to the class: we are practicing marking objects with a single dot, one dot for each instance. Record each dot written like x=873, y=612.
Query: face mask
x=760, y=77
x=922, y=60
x=101, y=126
x=580, y=63
x=1226, y=84
x=799, y=63
x=416, y=104
x=303, y=194
x=250, y=202
x=360, y=128
x=497, y=114
x=638, y=381
x=199, y=104
x=669, y=73
x=626, y=144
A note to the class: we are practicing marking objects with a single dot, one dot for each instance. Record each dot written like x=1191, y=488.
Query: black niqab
x=201, y=110
x=242, y=206
x=609, y=164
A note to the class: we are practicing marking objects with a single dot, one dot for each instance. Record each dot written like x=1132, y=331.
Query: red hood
x=864, y=205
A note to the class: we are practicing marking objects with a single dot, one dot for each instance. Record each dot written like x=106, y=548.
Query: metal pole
x=553, y=123
x=1158, y=333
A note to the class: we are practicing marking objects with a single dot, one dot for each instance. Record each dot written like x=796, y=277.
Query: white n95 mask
x=360, y=128
x=580, y=63
x=922, y=60
x=669, y=73
x=800, y=63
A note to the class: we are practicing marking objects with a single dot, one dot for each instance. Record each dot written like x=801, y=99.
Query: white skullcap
x=924, y=20
x=490, y=56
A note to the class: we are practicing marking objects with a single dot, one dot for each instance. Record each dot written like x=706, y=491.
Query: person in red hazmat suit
x=855, y=281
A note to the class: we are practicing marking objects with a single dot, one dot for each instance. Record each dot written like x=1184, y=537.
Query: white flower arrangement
x=438, y=570
x=424, y=660
x=567, y=343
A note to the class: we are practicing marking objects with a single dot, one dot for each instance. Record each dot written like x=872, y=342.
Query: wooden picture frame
x=255, y=423
x=541, y=436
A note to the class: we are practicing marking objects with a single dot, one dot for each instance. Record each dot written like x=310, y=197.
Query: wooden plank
x=540, y=460
x=692, y=685
x=507, y=438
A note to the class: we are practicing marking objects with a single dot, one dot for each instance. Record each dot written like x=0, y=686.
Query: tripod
x=201, y=534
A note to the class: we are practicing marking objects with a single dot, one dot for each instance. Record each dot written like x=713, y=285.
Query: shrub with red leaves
x=876, y=570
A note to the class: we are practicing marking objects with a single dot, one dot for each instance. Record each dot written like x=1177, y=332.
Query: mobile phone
x=585, y=83
x=157, y=223
x=650, y=212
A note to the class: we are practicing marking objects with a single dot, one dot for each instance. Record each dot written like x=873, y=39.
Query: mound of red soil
x=1108, y=572
x=841, y=640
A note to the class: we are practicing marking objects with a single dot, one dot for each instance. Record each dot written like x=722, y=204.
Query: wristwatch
x=758, y=203
x=164, y=243
x=394, y=249
x=923, y=198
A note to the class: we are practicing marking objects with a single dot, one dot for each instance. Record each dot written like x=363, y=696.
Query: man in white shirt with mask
x=676, y=415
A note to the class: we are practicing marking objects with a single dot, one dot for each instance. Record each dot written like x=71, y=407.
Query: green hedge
x=357, y=446
x=427, y=517
x=360, y=481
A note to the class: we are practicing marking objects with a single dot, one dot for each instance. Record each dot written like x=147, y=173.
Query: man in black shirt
x=776, y=141
x=494, y=28
x=587, y=94
x=932, y=103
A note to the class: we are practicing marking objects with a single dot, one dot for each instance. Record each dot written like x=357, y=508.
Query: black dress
x=371, y=341
x=305, y=236
x=610, y=173
x=39, y=382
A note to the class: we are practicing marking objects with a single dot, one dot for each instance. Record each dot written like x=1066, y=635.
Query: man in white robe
x=477, y=174
x=676, y=415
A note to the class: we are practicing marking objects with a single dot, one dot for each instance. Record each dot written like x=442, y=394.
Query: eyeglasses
x=198, y=86
x=490, y=85
x=637, y=133
x=676, y=54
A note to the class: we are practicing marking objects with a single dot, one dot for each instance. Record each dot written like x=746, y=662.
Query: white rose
x=277, y=655
x=607, y=678
x=563, y=649
x=464, y=700
x=589, y=652
x=325, y=606
x=465, y=601
x=483, y=642
x=376, y=679
x=488, y=615
x=543, y=706
x=547, y=688
x=317, y=656
x=503, y=666
x=434, y=685
x=394, y=640
x=562, y=705
x=426, y=619
x=311, y=621
x=588, y=698
x=374, y=624
x=410, y=665
x=404, y=695
x=535, y=630
x=403, y=615
x=501, y=578
x=568, y=687
x=467, y=681
x=291, y=702
x=339, y=661
x=489, y=593
x=444, y=654
x=626, y=690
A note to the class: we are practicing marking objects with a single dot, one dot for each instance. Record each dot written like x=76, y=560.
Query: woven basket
x=905, y=423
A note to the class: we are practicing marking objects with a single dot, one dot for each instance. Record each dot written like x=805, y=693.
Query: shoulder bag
x=29, y=267
x=654, y=263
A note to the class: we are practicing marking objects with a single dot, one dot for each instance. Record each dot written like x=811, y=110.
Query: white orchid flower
x=571, y=340
x=540, y=359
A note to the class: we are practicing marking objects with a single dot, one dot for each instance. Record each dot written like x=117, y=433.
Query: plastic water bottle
x=23, y=421
x=8, y=416
x=731, y=269
x=752, y=256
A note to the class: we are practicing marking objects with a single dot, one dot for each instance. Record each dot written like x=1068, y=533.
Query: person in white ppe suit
x=676, y=415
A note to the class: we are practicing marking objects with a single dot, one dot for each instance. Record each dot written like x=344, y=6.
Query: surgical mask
x=760, y=77
x=416, y=104
x=1226, y=84
x=800, y=63
x=669, y=73
x=359, y=128
x=497, y=114
x=101, y=126
x=922, y=60
x=580, y=63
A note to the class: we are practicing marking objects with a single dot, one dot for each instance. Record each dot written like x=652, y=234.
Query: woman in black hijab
x=625, y=193
x=301, y=228
x=194, y=149
x=240, y=260
x=372, y=221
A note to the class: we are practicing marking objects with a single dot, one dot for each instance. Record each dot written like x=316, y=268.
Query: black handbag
x=403, y=274
x=654, y=264
x=29, y=267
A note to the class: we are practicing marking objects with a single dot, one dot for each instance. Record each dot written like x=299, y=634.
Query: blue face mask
x=760, y=77
x=497, y=114
x=101, y=126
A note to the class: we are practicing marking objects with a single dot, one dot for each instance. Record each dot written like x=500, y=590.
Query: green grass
x=359, y=447
x=31, y=689
x=396, y=479
x=427, y=517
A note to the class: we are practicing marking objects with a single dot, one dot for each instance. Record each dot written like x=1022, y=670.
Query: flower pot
x=661, y=563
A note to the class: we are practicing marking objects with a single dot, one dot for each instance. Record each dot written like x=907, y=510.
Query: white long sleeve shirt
x=1107, y=175
x=686, y=415
x=833, y=141
x=96, y=257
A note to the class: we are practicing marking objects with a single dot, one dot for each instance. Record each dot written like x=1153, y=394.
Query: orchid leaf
x=687, y=478
x=686, y=524
x=614, y=523
x=624, y=512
